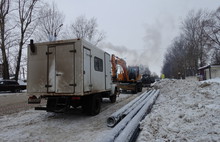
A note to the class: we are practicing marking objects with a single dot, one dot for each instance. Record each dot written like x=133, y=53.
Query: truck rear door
x=61, y=63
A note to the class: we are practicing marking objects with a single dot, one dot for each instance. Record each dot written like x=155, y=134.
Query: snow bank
x=213, y=80
x=21, y=82
x=186, y=110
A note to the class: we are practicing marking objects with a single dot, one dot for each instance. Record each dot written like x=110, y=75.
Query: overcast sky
x=138, y=30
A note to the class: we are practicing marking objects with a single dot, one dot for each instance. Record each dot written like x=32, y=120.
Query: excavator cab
x=133, y=72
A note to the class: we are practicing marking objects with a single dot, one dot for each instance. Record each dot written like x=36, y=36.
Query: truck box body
x=69, y=67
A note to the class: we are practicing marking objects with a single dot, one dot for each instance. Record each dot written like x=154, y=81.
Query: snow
x=32, y=125
x=7, y=93
x=21, y=82
x=213, y=80
x=186, y=110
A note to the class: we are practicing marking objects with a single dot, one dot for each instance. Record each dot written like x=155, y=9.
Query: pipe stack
x=129, y=116
x=122, y=112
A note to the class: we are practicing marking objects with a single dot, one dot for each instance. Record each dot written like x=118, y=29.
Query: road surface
x=26, y=124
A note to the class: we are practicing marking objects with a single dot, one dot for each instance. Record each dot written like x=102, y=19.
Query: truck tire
x=92, y=104
x=114, y=96
x=51, y=102
x=96, y=105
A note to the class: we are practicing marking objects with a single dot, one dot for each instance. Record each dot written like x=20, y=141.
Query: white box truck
x=69, y=74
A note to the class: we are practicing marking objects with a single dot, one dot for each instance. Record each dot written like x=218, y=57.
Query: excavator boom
x=123, y=76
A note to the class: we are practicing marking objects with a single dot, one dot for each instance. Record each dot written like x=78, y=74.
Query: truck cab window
x=98, y=64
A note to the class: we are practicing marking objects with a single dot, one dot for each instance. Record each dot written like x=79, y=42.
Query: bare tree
x=188, y=51
x=216, y=30
x=176, y=61
x=4, y=12
x=50, y=23
x=200, y=33
x=167, y=66
x=193, y=29
x=212, y=30
x=27, y=17
x=87, y=29
x=212, y=27
x=216, y=57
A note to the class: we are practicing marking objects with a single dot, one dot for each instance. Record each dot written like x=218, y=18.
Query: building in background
x=209, y=72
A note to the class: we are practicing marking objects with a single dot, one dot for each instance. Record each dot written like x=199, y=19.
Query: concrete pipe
x=128, y=133
x=122, y=112
x=115, y=132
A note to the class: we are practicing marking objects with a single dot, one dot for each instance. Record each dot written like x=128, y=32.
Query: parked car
x=11, y=85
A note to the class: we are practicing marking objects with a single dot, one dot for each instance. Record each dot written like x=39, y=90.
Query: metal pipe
x=115, y=132
x=127, y=134
x=137, y=103
x=118, y=115
x=122, y=112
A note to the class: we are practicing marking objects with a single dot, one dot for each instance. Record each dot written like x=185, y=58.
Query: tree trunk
x=5, y=60
x=5, y=63
x=19, y=59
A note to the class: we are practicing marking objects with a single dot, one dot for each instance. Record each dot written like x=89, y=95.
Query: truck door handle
x=58, y=74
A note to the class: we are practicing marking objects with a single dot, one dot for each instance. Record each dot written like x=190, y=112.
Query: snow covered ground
x=31, y=125
x=186, y=111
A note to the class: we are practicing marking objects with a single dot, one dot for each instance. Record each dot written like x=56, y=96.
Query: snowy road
x=31, y=125
x=14, y=102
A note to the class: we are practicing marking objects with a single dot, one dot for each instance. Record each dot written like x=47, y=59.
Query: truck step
x=61, y=104
x=40, y=108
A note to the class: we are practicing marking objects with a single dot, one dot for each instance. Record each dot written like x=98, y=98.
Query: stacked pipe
x=122, y=112
x=125, y=129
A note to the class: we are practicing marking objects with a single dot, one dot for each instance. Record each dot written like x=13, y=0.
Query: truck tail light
x=75, y=98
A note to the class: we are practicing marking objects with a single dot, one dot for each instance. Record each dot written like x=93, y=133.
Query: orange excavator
x=128, y=78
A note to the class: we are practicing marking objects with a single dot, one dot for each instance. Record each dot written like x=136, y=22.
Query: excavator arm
x=123, y=76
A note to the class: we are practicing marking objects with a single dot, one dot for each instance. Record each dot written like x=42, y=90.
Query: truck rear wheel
x=92, y=104
x=96, y=105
